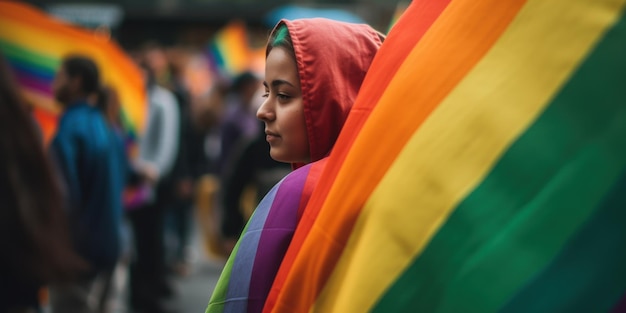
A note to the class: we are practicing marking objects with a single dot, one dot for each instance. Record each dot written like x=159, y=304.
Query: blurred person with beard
x=84, y=148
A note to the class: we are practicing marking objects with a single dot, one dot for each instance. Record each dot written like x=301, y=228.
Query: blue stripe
x=42, y=74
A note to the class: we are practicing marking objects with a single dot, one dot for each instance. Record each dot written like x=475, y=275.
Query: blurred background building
x=193, y=22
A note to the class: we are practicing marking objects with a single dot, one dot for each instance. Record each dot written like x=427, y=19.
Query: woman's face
x=283, y=110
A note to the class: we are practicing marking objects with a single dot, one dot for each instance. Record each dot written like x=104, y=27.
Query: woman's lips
x=271, y=136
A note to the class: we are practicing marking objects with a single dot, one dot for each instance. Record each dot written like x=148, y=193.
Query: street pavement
x=195, y=289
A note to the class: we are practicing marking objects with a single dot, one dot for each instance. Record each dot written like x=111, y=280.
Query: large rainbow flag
x=482, y=169
x=34, y=45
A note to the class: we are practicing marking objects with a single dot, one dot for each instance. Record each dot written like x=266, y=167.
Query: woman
x=314, y=69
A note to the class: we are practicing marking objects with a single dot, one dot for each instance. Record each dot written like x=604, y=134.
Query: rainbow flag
x=271, y=227
x=482, y=169
x=229, y=52
x=34, y=45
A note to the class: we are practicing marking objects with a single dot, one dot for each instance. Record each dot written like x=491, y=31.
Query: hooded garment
x=332, y=59
x=329, y=87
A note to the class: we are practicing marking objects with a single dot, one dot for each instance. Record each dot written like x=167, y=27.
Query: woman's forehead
x=280, y=65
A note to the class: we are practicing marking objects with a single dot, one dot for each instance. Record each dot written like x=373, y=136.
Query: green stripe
x=537, y=195
x=128, y=124
x=596, y=257
x=590, y=274
x=216, y=303
x=16, y=52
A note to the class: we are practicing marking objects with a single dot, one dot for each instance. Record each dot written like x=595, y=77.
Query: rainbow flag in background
x=482, y=169
x=229, y=51
x=34, y=45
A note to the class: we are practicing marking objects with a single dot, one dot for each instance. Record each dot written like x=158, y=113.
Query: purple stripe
x=239, y=282
x=276, y=236
x=41, y=72
x=32, y=76
x=33, y=83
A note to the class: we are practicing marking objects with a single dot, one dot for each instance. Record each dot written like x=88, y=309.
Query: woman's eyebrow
x=278, y=82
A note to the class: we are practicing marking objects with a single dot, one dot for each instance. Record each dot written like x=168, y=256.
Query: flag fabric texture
x=34, y=44
x=267, y=228
x=482, y=168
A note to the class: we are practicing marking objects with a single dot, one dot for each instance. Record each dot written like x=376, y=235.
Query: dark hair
x=102, y=101
x=280, y=38
x=242, y=80
x=34, y=237
x=86, y=69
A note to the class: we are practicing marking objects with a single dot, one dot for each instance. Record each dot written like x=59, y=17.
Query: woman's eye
x=266, y=94
x=282, y=96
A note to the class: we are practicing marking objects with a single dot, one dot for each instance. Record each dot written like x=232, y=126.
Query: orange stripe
x=47, y=123
x=25, y=13
x=440, y=61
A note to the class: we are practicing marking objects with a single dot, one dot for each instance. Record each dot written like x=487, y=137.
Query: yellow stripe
x=52, y=41
x=458, y=145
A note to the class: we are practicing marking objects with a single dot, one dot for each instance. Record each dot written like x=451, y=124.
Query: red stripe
x=311, y=182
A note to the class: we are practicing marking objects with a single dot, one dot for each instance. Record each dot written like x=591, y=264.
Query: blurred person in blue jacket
x=85, y=151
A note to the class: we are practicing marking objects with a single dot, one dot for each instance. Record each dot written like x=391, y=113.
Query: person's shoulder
x=75, y=111
x=71, y=119
x=298, y=177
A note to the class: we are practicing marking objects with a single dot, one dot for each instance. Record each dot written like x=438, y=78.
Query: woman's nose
x=264, y=113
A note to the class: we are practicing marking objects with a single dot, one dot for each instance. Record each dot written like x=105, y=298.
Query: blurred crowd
x=114, y=211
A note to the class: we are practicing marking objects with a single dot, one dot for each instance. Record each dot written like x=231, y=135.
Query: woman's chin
x=279, y=157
